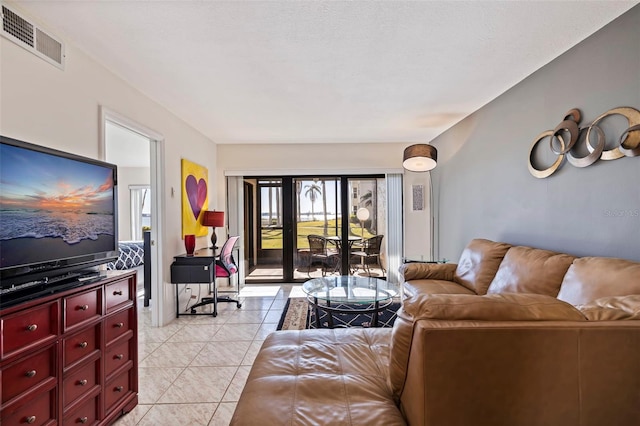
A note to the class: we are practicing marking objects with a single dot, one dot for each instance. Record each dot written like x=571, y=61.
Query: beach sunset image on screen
x=65, y=204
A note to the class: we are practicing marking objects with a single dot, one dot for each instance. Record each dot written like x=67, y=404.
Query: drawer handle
x=83, y=419
x=30, y=373
x=30, y=419
x=119, y=325
x=83, y=307
x=117, y=293
x=82, y=382
x=119, y=356
x=119, y=389
x=83, y=344
x=32, y=327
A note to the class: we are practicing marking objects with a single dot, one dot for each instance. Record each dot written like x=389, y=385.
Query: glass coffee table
x=349, y=295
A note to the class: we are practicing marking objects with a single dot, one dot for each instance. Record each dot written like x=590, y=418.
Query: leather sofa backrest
x=590, y=278
x=479, y=263
x=531, y=270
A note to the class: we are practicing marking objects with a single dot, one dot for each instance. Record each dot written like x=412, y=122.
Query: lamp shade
x=420, y=158
x=213, y=219
x=362, y=214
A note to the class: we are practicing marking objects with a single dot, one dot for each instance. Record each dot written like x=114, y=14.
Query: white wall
x=299, y=158
x=417, y=227
x=42, y=104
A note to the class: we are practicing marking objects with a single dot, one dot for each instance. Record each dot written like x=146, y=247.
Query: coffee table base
x=367, y=308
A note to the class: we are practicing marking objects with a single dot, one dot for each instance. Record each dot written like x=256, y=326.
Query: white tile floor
x=192, y=371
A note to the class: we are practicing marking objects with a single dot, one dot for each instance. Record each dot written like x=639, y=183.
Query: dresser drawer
x=28, y=328
x=28, y=373
x=39, y=411
x=86, y=414
x=80, y=345
x=82, y=307
x=117, y=389
x=79, y=382
x=117, y=294
x=118, y=324
x=117, y=356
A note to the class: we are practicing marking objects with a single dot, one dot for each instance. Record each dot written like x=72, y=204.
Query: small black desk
x=198, y=268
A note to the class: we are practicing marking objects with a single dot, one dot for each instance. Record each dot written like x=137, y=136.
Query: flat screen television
x=58, y=219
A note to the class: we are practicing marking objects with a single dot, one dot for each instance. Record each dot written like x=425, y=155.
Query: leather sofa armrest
x=425, y=271
x=497, y=308
x=503, y=372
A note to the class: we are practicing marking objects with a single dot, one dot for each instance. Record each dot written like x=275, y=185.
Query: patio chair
x=318, y=253
x=370, y=251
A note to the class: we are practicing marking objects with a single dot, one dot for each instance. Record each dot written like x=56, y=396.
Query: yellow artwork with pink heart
x=194, y=197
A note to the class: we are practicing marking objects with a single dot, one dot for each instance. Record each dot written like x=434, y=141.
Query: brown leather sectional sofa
x=510, y=335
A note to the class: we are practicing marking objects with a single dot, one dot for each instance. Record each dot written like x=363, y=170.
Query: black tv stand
x=49, y=285
x=69, y=276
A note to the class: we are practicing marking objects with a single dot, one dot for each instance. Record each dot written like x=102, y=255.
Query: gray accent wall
x=482, y=186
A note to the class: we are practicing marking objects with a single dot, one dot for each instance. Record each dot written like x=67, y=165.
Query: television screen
x=57, y=210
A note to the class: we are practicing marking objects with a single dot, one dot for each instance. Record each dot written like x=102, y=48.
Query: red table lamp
x=214, y=220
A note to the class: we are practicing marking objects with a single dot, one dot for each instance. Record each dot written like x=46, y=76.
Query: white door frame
x=157, y=200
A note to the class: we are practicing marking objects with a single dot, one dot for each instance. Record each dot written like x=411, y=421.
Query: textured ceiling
x=316, y=71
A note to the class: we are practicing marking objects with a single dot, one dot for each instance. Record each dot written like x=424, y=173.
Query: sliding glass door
x=317, y=226
x=269, y=262
x=367, y=224
x=313, y=226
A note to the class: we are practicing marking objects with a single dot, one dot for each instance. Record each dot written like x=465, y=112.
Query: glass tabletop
x=339, y=238
x=350, y=289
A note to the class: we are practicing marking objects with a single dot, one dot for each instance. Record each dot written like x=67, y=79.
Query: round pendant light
x=420, y=158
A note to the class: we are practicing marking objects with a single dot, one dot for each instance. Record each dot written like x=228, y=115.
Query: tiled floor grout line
x=254, y=314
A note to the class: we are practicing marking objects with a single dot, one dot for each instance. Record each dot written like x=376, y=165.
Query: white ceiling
x=323, y=71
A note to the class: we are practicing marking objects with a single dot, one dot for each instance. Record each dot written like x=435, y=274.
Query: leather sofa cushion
x=590, y=278
x=478, y=264
x=425, y=271
x=612, y=308
x=531, y=270
x=492, y=307
x=336, y=377
x=430, y=286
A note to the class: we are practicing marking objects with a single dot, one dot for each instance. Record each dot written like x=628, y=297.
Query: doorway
x=300, y=231
x=138, y=153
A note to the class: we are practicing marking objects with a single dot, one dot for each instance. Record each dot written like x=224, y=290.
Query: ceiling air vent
x=29, y=36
